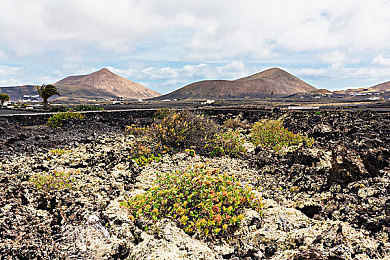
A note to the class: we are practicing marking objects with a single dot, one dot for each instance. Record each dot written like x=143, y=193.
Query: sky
x=167, y=44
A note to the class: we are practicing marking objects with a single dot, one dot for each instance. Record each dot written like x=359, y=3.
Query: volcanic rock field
x=328, y=201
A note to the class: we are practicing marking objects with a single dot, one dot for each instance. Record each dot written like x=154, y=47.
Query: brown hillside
x=269, y=82
x=382, y=87
x=102, y=84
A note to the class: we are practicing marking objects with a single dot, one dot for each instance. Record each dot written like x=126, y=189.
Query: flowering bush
x=55, y=180
x=177, y=131
x=271, y=134
x=184, y=130
x=199, y=200
x=142, y=152
x=136, y=130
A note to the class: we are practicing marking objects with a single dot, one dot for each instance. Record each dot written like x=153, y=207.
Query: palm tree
x=3, y=97
x=46, y=91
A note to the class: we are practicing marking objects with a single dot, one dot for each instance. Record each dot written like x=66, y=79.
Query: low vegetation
x=163, y=113
x=203, y=202
x=59, y=152
x=199, y=200
x=184, y=130
x=177, y=131
x=3, y=97
x=143, y=152
x=233, y=123
x=57, y=120
x=87, y=108
x=173, y=132
x=63, y=108
x=229, y=142
x=271, y=134
x=55, y=180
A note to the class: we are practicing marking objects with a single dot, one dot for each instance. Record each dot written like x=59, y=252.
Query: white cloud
x=216, y=39
x=381, y=60
x=334, y=57
x=307, y=72
x=168, y=78
x=6, y=70
x=48, y=79
x=213, y=30
x=10, y=82
x=189, y=71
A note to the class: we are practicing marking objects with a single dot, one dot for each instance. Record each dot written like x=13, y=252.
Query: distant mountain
x=102, y=84
x=382, y=87
x=16, y=93
x=270, y=82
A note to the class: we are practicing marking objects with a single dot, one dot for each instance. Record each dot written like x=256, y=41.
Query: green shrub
x=162, y=113
x=57, y=120
x=183, y=130
x=87, y=108
x=136, y=130
x=61, y=108
x=233, y=123
x=199, y=200
x=55, y=180
x=230, y=142
x=271, y=134
x=190, y=152
x=144, y=152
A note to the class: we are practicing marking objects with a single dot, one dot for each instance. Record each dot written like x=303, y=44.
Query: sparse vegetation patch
x=55, y=180
x=173, y=131
x=87, y=108
x=59, y=152
x=230, y=142
x=271, y=134
x=199, y=200
x=57, y=120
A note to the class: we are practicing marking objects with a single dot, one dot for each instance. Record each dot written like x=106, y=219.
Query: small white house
x=208, y=102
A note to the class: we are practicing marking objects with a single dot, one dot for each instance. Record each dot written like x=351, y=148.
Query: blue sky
x=166, y=44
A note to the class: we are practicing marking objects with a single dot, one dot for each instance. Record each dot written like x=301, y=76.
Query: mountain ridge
x=101, y=84
x=273, y=81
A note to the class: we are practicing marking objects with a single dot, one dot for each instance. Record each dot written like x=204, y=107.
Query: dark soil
x=355, y=185
x=17, y=139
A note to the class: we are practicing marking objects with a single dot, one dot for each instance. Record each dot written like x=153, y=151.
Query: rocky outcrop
x=330, y=201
